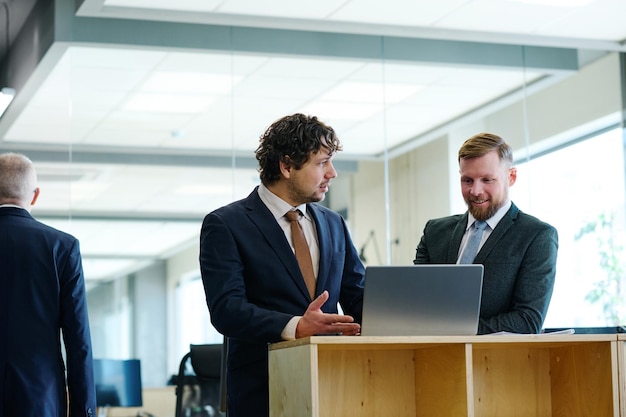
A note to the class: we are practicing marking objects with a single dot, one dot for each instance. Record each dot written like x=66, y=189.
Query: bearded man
x=518, y=251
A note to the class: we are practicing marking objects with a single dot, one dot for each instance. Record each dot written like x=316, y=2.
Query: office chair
x=200, y=384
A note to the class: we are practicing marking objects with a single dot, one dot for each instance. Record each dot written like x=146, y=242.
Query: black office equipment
x=200, y=384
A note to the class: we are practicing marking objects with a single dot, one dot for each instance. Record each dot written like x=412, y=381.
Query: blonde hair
x=483, y=143
x=18, y=179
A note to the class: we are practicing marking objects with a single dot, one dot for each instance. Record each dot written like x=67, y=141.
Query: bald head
x=18, y=180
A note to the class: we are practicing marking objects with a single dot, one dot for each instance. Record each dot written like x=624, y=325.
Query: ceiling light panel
x=124, y=120
x=282, y=8
x=139, y=239
x=282, y=87
x=189, y=82
x=219, y=129
x=167, y=103
x=352, y=111
x=187, y=5
x=396, y=12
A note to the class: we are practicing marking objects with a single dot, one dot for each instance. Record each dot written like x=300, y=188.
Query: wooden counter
x=454, y=376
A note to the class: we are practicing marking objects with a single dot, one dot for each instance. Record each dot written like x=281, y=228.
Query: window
x=193, y=324
x=580, y=190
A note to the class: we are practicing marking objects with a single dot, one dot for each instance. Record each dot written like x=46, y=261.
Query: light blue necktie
x=473, y=242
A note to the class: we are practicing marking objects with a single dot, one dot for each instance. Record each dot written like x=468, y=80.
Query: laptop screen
x=422, y=300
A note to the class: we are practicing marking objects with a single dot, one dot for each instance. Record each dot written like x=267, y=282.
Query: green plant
x=609, y=290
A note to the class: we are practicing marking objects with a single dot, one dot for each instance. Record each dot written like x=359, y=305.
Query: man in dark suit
x=518, y=251
x=255, y=290
x=42, y=293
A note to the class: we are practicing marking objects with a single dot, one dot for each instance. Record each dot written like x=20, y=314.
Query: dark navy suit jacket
x=42, y=292
x=254, y=286
x=520, y=267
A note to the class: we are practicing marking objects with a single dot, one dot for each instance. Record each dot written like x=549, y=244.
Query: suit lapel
x=455, y=239
x=264, y=220
x=503, y=225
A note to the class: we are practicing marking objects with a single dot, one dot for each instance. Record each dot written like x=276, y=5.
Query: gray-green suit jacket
x=520, y=265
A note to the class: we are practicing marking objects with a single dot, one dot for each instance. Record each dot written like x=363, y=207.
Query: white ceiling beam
x=143, y=33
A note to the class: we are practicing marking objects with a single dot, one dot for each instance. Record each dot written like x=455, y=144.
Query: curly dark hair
x=292, y=140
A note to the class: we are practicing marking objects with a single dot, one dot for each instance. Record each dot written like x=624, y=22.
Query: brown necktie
x=302, y=251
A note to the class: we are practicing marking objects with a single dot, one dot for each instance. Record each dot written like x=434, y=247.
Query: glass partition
x=143, y=142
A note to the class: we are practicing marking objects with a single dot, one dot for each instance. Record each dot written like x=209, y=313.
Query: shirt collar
x=277, y=205
x=12, y=205
x=493, y=220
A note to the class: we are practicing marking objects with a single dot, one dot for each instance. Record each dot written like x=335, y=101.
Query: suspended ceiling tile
x=276, y=87
x=396, y=12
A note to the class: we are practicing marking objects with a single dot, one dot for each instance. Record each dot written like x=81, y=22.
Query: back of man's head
x=18, y=180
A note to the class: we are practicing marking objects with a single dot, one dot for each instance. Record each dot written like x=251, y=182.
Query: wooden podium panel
x=568, y=379
x=441, y=380
x=453, y=376
x=621, y=354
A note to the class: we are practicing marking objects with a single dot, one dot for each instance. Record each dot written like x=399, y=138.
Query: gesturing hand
x=315, y=321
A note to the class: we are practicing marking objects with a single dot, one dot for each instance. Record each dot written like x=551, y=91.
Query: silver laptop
x=422, y=300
